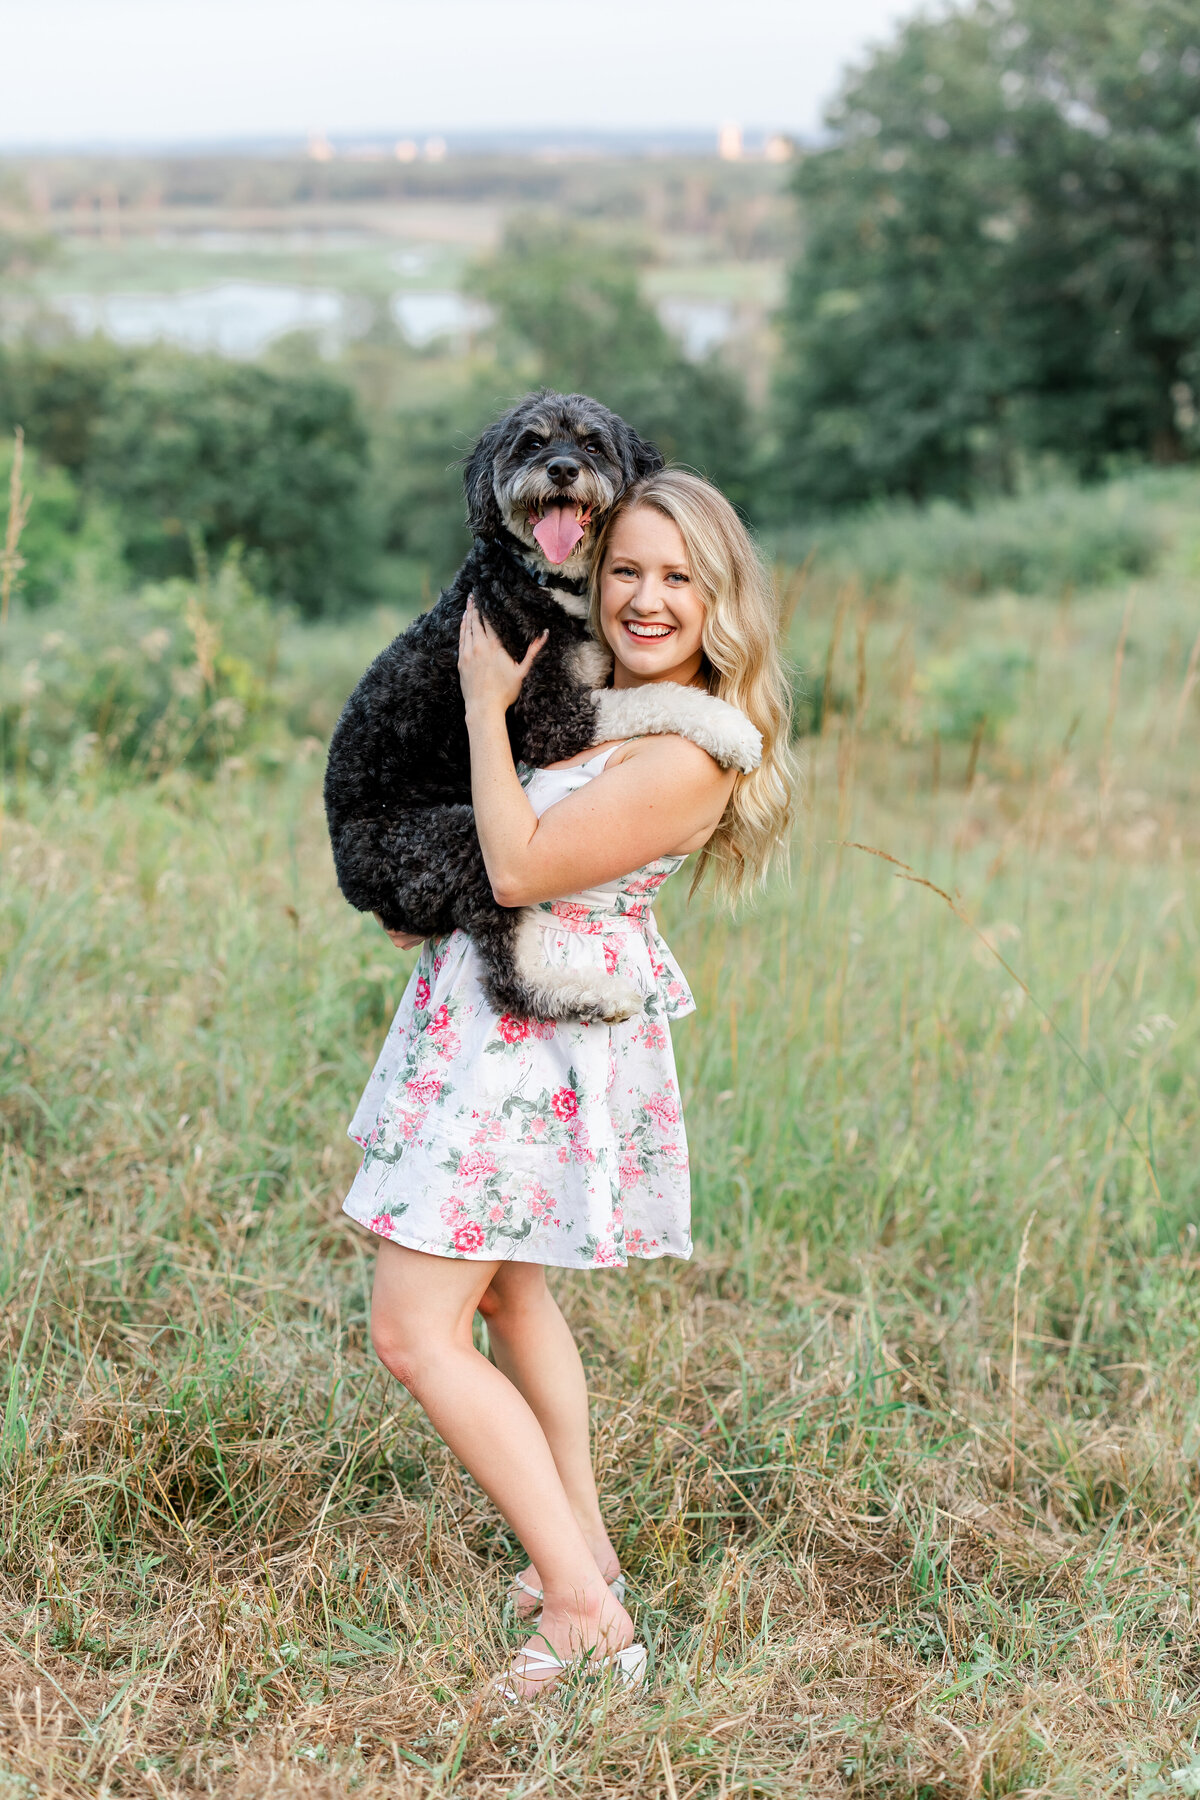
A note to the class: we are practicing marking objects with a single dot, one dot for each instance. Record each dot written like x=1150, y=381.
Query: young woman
x=495, y=1146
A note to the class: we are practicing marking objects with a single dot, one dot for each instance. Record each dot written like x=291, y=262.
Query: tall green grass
x=902, y=1465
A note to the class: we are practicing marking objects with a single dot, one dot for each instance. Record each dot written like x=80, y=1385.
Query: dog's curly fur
x=398, y=781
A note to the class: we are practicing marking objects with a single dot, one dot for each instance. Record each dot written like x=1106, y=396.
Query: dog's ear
x=644, y=457
x=483, y=513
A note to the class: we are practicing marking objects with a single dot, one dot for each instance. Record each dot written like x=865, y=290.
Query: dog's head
x=550, y=471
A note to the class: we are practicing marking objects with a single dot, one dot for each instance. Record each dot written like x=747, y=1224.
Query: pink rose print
x=653, y=1036
x=662, y=1109
x=442, y=1032
x=565, y=1103
x=513, y=1031
x=606, y=1257
x=424, y=1089
x=422, y=993
x=383, y=1224
x=476, y=1166
x=630, y=1174
x=451, y=1210
x=468, y=1238
x=496, y=1213
x=542, y=1028
x=538, y=1202
x=612, y=955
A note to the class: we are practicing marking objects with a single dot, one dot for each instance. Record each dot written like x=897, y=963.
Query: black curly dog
x=539, y=485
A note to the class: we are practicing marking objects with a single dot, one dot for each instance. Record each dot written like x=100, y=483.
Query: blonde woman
x=495, y=1146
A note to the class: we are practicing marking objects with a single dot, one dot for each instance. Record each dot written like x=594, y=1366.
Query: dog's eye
x=594, y=447
x=529, y=443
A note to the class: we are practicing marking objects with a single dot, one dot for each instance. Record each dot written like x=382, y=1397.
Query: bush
x=195, y=453
x=177, y=675
x=58, y=393
x=62, y=536
x=194, y=448
x=1039, y=543
x=974, y=691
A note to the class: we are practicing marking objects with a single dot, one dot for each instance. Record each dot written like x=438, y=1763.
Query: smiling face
x=650, y=611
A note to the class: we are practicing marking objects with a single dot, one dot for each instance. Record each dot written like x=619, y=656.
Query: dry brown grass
x=880, y=1542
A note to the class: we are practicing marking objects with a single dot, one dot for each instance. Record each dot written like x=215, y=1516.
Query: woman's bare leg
x=421, y=1312
x=532, y=1344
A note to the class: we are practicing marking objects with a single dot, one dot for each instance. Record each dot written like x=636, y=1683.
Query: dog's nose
x=562, y=471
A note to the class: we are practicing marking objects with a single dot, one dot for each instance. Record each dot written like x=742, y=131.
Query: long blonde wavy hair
x=741, y=665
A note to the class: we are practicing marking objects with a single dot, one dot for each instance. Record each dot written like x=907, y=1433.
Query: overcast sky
x=138, y=71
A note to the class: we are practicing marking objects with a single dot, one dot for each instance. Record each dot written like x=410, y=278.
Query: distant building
x=319, y=147
x=779, y=149
x=729, y=143
x=435, y=149
x=406, y=150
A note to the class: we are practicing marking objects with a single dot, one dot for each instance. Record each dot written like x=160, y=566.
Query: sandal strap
x=535, y=1662
x=520, y=1586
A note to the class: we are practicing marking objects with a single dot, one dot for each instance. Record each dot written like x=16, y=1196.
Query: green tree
x=1104, y=282
x=194, y=448
x=58, y=391
x=574, y=303
x=896, y=371
x=1000, y=253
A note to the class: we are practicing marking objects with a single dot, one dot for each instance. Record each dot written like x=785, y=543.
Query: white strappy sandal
x=627, y=1666
x=616, y=1588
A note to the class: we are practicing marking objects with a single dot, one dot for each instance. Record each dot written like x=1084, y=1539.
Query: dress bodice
x=629, y=897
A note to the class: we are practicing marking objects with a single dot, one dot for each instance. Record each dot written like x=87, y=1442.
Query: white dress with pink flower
x=558, y=1143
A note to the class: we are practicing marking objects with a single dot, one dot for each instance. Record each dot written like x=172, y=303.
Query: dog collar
x=570, y=584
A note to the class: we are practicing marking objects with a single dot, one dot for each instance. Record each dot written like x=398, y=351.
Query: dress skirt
x=488, y=1136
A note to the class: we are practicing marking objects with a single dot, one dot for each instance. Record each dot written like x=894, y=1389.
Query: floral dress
x=489, y=1136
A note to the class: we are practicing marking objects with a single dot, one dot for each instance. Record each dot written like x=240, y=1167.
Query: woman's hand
x=403, y=940
x=489, y=677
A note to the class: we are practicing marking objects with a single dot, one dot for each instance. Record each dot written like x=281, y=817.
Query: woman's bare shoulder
x=674, y=758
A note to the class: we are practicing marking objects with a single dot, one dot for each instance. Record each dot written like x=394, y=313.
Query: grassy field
x=902, y=1465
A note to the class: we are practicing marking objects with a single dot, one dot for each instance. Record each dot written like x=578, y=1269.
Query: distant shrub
x=62, y=534
x=197, y=448
x=974, y=691
x=178, y=675
x=194, y=451
x=1038, y=543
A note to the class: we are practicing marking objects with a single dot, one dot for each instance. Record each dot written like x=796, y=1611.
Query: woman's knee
x=515, y=1292
x=406, y=1346
x=421, y=1310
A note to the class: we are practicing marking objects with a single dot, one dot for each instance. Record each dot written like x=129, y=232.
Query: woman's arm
x=663, y=797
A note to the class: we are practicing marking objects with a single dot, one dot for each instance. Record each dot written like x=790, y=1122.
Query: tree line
x=1000, y=265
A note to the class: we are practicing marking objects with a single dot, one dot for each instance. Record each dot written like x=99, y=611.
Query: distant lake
x=240, y=318
x=234, y=318
x=700, y=325
x=423, y=317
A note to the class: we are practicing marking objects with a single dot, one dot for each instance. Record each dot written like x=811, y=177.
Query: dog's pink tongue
x=558, y=533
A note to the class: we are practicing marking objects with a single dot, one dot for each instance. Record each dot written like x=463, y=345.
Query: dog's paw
x=596, y=999
x=621, y=1001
